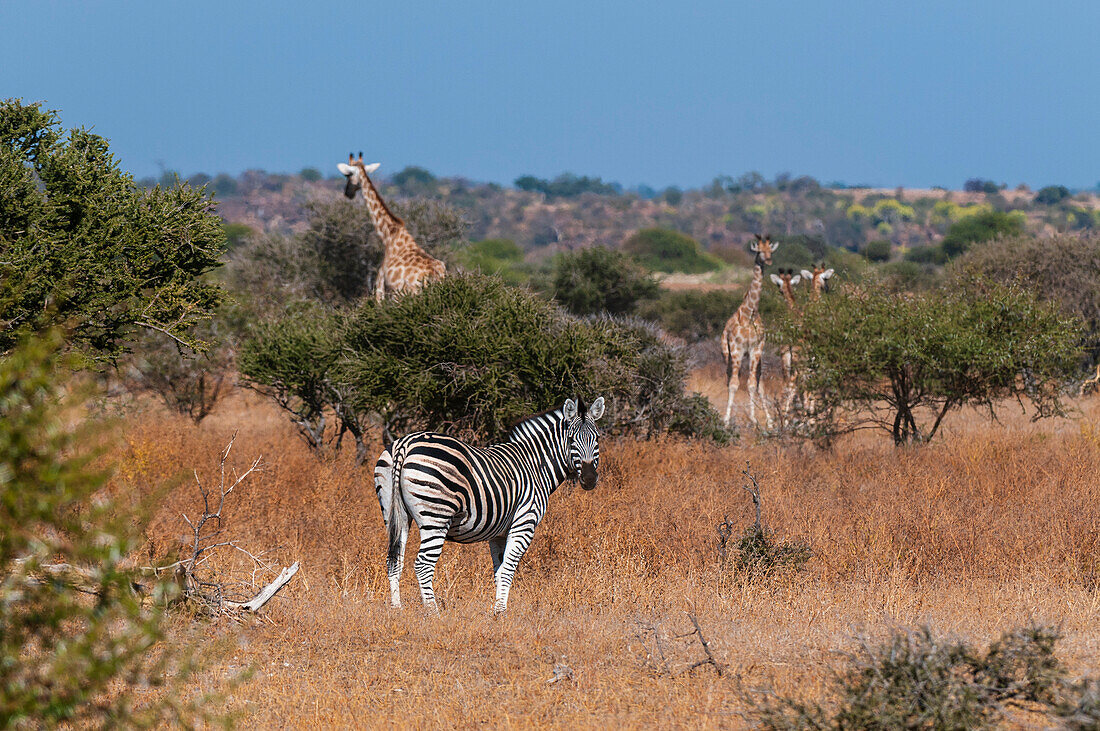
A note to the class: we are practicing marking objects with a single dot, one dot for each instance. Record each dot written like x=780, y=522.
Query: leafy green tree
x=982, y=226
x=76, y=637
x=501, y=257
x=665, y=250
x=600, y=280
x=691, y=314
x=1052, y=195
x=901, y=362
x=80, y=244
x=878, y=250
x=310, y=175
x=468, y=355
x=1062, y=269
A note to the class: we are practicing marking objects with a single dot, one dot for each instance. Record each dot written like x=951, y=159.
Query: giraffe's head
x=583, y=439
x=763, y=248
x=817, y=278
x=356, y=173
x=786, y=279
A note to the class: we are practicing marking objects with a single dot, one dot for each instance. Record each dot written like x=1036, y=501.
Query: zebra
x=458, y=492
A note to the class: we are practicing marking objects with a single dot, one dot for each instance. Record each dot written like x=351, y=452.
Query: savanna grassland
x=993, y=526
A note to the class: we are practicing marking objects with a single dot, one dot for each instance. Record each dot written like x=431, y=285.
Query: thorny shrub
x=916, y=681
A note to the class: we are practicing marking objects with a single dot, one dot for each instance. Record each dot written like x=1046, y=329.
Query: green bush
x=878, y=250
x=1052, y=195
x=691, y=314
x=310, y=175
x=500, y=257
x=916, y=681
x=900, y=362
x=599, y=281
x=931, y=254
x=1063, y=269
x=77, y=642
x=469, y=355
x=982, y=226
x=664, y=250
x=80, y=244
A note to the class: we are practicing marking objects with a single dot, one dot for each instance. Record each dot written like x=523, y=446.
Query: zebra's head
x=583, y=439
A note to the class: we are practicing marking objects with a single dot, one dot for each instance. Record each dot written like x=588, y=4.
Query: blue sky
x=914, y=94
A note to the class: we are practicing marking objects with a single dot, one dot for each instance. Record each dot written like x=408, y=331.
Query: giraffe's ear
x=777, y=280
x=795, y=280
x=596, y=409
x=827, y=273
x=775, y=245
x=372, y=167
x=808, y=276
x=570, y=408
x=753, y=246
x=344, y=169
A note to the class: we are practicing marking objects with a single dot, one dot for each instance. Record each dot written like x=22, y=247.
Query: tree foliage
x=80, y=244
x=664, y=250
x=468, y=355
x=982, y=226
x=1063, y=269
x=901, y=362
x=600, y=281
x=73, y=643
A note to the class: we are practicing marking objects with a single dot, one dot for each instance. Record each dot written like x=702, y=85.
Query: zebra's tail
x=399, y=514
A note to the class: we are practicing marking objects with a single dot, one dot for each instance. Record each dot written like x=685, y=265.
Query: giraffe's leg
x=380, y=287
x=519, y=538
x=756, y=390
x=791, y=383
x=733, y=378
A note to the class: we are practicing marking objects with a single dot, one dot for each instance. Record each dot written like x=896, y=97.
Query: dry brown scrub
x=992, y=527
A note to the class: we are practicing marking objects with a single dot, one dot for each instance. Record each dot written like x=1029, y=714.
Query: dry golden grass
x=992, y=527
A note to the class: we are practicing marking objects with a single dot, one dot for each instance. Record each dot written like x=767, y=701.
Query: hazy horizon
x=639, y=95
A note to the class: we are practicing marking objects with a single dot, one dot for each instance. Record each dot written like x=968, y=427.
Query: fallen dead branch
x=200, y=587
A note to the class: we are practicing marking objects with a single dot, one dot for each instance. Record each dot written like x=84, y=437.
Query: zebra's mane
x=515, y=425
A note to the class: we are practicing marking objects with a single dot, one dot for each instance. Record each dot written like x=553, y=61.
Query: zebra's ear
x=596, y=409
x=570, y=408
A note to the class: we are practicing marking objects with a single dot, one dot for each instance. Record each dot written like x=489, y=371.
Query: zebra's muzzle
x=588, y=475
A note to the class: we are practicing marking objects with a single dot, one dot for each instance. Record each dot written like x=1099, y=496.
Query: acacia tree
x=902, y=362
x=82, y=245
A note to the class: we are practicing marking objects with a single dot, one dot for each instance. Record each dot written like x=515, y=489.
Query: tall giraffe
x=816, y=279
x=405, y=266
x=744, y=332
x=786, y=280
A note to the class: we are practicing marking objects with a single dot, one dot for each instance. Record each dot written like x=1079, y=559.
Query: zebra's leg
x=519, y=538
x=496, y=550
x=395, y=564
x=431, y=545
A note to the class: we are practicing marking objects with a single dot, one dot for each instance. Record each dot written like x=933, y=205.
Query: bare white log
x=255, y=603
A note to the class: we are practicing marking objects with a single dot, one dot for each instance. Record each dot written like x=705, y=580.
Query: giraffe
x=744, y=333
x=786, y=280
x=405, y=266
x=816, y=279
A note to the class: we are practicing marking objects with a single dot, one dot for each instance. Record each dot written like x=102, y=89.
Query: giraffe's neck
x=789, y=296
x=751, y=304
x=387, y=224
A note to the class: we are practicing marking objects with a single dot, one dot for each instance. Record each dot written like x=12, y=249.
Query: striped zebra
x=457, y=492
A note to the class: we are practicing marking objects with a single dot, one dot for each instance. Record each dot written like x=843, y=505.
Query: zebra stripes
x=458, y=492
